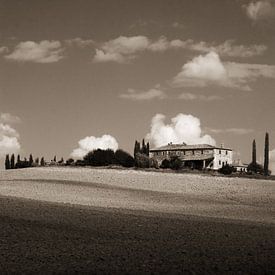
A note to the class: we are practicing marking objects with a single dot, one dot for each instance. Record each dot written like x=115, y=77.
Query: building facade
x=199, y=156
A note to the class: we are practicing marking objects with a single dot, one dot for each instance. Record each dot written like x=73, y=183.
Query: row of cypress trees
x=256, y=167
x=10, y=162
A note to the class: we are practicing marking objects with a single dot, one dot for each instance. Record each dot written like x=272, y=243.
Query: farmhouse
x=197, y=156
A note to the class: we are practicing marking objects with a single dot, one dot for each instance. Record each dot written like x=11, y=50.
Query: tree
x=124, y=159
x=165, y=164
x=7, y=162
x=54, y=159
x=227, y=169
x=12, y=162
x=143, y=148
x=42, y=162
x=266, y=154
x=69, y=161
x=100, y=157
x=61, y=161
x=254, y=157
x=141, y=161
x=36, y=162
x=137, y=148
x=176, y=163
x=147, y=149
x=30, y=160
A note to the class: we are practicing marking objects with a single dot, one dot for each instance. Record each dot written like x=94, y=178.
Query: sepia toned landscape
x=120, y=221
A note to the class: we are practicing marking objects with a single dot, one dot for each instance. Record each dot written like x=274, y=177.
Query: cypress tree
x=42, y=162
x=147, y=149
x=137, y=148
x=266, y=154
x=143, y=149
x=30, y=160
x=54, y=159
x=7, y=162
x=254, y=152
x=12, y=162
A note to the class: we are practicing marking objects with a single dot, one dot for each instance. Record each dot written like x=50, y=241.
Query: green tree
x=137, y=148
x=7, y=162
x=143, y=148
x=37, y=162
x=54, y=159
x=147, y=149
x=266, y=154
x=12, y=162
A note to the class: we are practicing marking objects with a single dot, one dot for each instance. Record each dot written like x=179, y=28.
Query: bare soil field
x=78, y=220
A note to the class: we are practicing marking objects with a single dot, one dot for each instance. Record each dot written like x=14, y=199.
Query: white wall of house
x=221, y=157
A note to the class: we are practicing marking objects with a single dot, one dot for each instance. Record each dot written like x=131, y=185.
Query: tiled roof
x=175, y=147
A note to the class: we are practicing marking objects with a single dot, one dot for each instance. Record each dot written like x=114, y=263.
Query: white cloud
x=9, y=140
x=258, y=10
x=80, y=42
x=154, y=93
x=91, y=143
x=183, y=128
x=9, y=118
x=236, y=131
x=41, y=52
x=190, y=96
x=228, y=49
x=205, y=70
x=123, y=49
x=178, y=25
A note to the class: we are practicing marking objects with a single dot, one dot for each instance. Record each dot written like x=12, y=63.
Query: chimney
x=222, y=145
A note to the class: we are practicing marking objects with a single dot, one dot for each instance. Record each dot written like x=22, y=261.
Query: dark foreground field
x=39, y=237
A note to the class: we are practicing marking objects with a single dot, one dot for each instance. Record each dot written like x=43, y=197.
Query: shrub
x=175, y=163
x=255, y=168
x=165, y=164
x=227, y=170
x=153, y=163
x=100, y=157
x=124, y=159
x=141, y=160
x=69, y=161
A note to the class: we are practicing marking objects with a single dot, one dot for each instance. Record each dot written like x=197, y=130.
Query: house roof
x=175, y=147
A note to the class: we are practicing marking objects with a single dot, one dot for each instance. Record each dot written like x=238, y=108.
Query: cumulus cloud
x=205, y=70
x=9, y=118
x=154, y=93
x=190, y=96
x=9, y=137
x=37, y=52
x=259, y=10
x=123, y=49
x=91, y=143
x=183, y=128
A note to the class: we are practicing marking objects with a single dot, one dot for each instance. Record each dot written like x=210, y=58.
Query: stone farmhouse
x=199, y=156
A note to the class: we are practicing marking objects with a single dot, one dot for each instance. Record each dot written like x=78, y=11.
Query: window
x=220, y=151
x=202, y=152
x=220, y=162
x=193, y=152
x=226, y=152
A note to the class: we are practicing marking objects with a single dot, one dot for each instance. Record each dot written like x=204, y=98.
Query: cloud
x=121, y=49
x=41, y=52
x=9, y=138
x=183, y=128
x=259, y=10
x=190, y=96
x=205, y=70
x=178, y=25
x=236, y=131
x=3, y=49
x=8, y=118
x=154, y=93
x=79, y=42
x=228, y=49
x=124, y=49
x=91, y=143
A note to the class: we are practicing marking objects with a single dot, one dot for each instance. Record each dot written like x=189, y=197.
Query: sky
x=79, y=75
